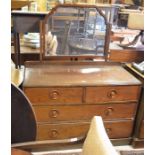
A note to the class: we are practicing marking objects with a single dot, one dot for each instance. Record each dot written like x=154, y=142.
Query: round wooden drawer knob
x=109, y=111
x=53, y=133
x=53, y=113
x=54, y=95
x=112, y=94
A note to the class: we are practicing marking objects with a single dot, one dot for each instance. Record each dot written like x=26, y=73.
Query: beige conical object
x=16, y=75
x=97, y=141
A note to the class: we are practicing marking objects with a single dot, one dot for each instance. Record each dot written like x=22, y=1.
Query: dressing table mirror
x=74, y=31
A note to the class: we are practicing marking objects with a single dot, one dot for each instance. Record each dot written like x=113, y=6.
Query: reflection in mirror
x=74, y=31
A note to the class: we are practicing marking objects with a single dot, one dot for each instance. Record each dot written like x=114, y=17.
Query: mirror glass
x=76, y=31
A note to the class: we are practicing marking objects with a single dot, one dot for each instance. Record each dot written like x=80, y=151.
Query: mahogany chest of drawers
x=66, y=95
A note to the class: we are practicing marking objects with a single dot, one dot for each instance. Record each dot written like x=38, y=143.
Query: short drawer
x=115, y=129
x=112, y=93
x=42, y=96
x=84, y=112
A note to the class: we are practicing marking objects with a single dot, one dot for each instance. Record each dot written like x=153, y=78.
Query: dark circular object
x=23, y=122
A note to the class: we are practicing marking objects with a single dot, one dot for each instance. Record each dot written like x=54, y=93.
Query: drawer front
x=61, y=131
x=115, y=129
x=42, y=96
x=109, y=94
x=84, y=112
x=119, y=129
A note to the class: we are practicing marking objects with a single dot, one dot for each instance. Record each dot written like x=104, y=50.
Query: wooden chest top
x=76, y=74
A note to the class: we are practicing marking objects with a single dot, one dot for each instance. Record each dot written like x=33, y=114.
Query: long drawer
x=115, y=129
x=84, y=112
x=112, y=93
x=54, y=95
